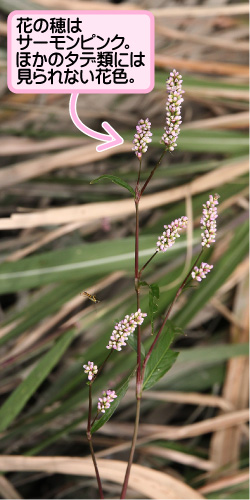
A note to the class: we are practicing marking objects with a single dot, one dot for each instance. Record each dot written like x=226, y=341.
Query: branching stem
x=139, y=374
x=168, y=314
x=145, y=265
x=152, y=172
x=89, y=437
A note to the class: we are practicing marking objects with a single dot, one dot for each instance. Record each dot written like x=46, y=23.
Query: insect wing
x=90, y=297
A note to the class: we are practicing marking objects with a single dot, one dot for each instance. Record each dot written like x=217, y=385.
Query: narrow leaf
x=17, y=400
x=144, y=283
x=66, y=264
x=154, y=294
x=116, y=180
x=162, y=366
x=108, y=414
x=155, y=290
x=161, y=358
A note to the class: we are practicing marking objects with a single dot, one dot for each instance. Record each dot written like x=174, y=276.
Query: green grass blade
x=72, y=263
x=17, y=400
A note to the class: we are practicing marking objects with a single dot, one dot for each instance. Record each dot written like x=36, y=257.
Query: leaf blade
x=154, y=294
x=17, y=400
x=108, y=414
x=161, y=359
x=115, y=180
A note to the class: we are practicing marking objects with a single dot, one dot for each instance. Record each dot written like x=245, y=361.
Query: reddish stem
x=152, y=172
x=89, y=437
x=168, y=314
x=148, y=261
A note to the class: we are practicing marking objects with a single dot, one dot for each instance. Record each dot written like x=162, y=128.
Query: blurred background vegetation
x=59, y=236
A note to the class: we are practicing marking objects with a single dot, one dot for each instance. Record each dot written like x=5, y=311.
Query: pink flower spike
x=124, y=328
x=90, y=369
x=142, y=137
x=199, y=274
x=104, y=402
x=168, y=237
x=173, y=109
x=208, y=220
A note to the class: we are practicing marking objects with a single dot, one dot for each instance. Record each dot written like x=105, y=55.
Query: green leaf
x=199, y=368
x=217, y=353
x=143, y=283
x=154, y=294
x=17, y=400
x=42, y=307
x=161, y=358
x=162, y=365
x=242, y=492
x=154, y=288
x=71, y=263
x=108, y=414
x=116, y=180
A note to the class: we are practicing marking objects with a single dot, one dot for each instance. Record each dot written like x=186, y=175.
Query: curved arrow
x=110, y=141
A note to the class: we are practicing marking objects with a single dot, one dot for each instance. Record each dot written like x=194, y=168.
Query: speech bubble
x=93, y=52
x=80, y=51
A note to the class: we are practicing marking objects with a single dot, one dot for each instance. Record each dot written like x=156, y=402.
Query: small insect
x=90, y=297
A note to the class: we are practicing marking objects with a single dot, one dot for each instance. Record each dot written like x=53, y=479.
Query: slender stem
x=93, y=421
x=92, y=381
x=137, y=290
x=139, y=376
x=136, y=244
x=96, y=469
x=168, y=314
x=138, y=372
x=131, y=456
x=102, y=366
x=89, y=437
x=90, y=408
x=152, y=172
x=141, y=369
x=148, y=261
x=139, y=175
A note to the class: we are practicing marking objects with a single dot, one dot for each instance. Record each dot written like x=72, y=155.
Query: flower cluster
x=200, y=273
x=124, y=328
x=142, y=137
x=208, y=220
x=104, y=402
x=168, y=237
x=173, y=108
x=90, y=369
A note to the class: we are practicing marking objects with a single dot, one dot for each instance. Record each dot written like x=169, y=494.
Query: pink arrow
x=110, y=141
